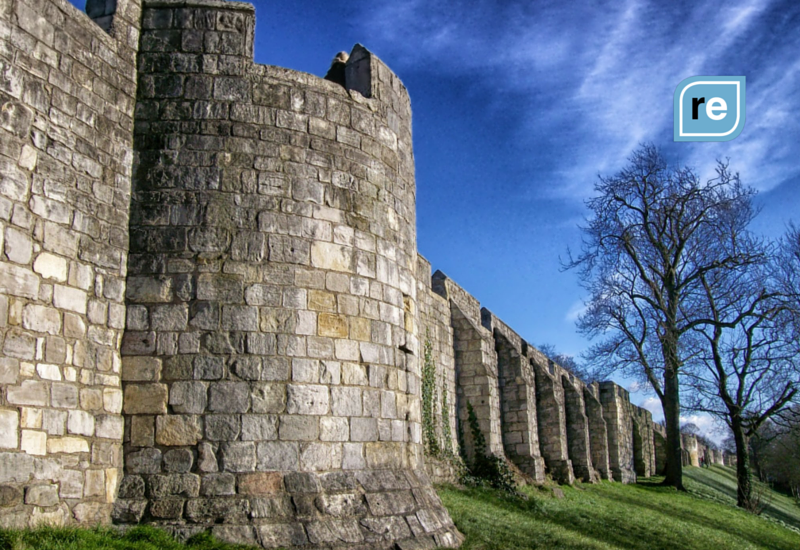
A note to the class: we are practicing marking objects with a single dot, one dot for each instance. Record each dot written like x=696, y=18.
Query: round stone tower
x=271, y=360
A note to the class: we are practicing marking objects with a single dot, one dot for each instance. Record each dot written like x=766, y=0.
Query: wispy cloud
x=601, y=77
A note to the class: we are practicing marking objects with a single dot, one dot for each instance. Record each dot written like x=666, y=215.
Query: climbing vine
x=447, y=435
x=486, y=468
x=429, y=418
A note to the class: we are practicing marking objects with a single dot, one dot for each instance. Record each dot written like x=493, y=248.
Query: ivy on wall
x=429, y=417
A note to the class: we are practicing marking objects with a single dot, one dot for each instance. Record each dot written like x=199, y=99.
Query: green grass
x=138, y=538
x=719, y=484
x=609, y=516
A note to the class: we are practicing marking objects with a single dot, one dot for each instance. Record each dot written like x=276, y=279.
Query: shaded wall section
x=67, y=95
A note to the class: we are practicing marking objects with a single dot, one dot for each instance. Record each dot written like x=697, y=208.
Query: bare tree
x=655, y=231
x=743, y=371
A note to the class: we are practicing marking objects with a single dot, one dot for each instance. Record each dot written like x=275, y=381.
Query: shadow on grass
x=776, y=503
x=606, y=518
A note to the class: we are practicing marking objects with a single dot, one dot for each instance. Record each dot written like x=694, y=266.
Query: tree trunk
x=744, y=485
x=672, y=417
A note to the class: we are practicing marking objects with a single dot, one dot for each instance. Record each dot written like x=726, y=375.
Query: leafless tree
x=654, y=233
x=743, y=369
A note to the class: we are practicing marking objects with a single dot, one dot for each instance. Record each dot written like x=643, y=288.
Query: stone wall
x=271, y=358
x=67, y=90
x=209, y=273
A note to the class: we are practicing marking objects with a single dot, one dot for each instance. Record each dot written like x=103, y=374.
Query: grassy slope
x=614, y=516
x=720, y=484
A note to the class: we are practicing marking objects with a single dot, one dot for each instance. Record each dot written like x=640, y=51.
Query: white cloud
x=575, y=311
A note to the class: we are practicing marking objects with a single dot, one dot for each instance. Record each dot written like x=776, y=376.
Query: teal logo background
x=709, y=108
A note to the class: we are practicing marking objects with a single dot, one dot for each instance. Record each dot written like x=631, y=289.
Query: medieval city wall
x=213, y=315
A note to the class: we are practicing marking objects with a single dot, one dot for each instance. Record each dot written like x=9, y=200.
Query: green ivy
x=429, y=418
x=486, y=468
x=446, y=433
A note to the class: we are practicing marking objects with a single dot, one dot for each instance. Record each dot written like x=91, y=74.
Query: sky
x=519, y=105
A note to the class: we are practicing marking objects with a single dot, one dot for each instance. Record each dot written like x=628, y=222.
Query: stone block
x=238, y=456
x=41, y=319
x=145, y=399
x=30, y=392
x=334, y=429
x=346, y=401
x=42, y=495
x=188, y=397
x=15, y=467
x=222, y=427
x=67, y=445
x=178, y=461
x=363, y=429
x=261, y=483
x=278, y=455
x=231, y=397
x=110, y=426
x=268, y=398
x=331, y=325
x=9, y=429
x=64, y=395
x=81, y=423
x=175, y=430
x=259, y=427
x=72, y=299
x=298, y=428
x=307, y=399
x=218, y=484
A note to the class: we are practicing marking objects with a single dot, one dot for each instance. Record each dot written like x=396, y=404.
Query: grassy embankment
x=605, y=516
x=610, y=516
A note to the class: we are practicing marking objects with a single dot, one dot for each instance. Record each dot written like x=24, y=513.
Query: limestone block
x=18, y=281
x=9, y=429
x=238, y=456
x=72, y=299
x=259, y=427
x=218, y=484
x=64, y=395
x=41, y=319
x=175, y=430
x=145, y=399
x=231, y=397
x=30, y=392
x=149, y=289
x=261, y=483
x=334, y=429
x=81, y=423
x=18, y=246
x=363, y=429
x=332, y=325
x=320, y=456
x=67, y=445
x=178, y=461
x=278, y=455
x=112, y=400
x=110, y=427
x=307, y=399
x=346, y=401
x=188, y=397
x=42, y=495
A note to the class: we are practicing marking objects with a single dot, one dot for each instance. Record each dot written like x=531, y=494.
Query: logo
x=709, y=108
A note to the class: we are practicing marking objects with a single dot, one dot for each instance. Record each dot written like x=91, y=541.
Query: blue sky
x=519, y=105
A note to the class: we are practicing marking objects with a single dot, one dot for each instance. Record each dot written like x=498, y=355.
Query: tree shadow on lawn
x=580, y=525
x=771, y=509
x=732, y=527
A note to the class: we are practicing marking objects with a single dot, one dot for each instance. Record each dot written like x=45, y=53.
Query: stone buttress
x=271, y=363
